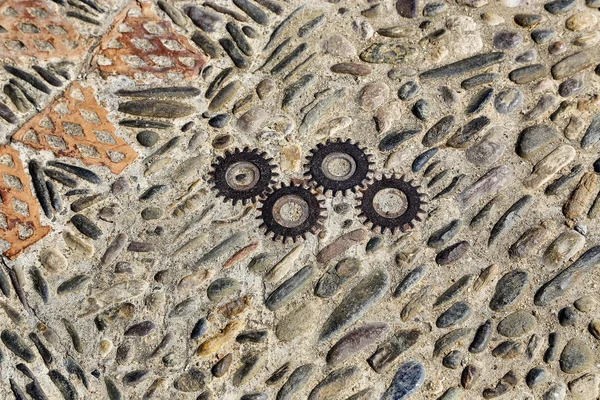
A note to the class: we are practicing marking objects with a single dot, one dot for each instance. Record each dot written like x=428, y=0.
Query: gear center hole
x=242, y=176
x=338, y=166
x=290, y=211
x=390, y=203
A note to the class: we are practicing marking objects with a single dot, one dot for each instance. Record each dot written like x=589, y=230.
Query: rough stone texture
x=134, y=268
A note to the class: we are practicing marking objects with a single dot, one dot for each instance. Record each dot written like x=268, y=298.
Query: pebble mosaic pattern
x=299, y=199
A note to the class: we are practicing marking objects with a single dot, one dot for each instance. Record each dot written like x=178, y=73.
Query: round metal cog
x=291, y=212
x=242, y=175
x=409, y=203
x=353, y=166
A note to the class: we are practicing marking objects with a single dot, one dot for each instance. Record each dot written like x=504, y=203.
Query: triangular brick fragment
x=20, y=224
x=75, y=125
x=35, y=28
x=141, y=41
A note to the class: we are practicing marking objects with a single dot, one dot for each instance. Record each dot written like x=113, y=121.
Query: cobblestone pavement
x=299, y=199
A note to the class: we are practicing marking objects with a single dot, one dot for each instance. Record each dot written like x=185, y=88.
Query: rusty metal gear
x=291, y=211
x=408, y=208
x=354, y=162
x=242, y=175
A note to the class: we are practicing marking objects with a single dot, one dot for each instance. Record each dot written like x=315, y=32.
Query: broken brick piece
x=35, y=28
x=20, y=224
x=75, y=125
x=141, y=41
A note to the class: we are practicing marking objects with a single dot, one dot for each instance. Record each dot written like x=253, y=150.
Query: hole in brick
x=153, y=28
x=56, y=142
x=134, y=12
x=24, y=232
x=124, y=28
x=105, y=137
x=134, y=61
x=142, y=44
x=187, y=61
x=43, y=45
x=38, y=12
x=20, y=207
x=31, y=136
x=73, y=129
x=104, y=61
x=115, y=156
x=46, y=123
x=88, y=151
x=90, y=116
x=10, y=12
x=162, y=61
x=114, y=44
x=6, y=159
x=62, y=108
x=26, y=27
x=172, y=45
x=3, y=221
x=13, y=182
x=57, y=30
x=77, y=95
x=15, y=45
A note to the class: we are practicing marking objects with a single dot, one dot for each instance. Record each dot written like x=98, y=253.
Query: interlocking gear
x=242, y=175
x=291, y=212
x=391, y=203
x=338, y=166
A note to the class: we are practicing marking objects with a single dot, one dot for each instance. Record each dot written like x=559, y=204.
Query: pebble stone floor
x=299, y=199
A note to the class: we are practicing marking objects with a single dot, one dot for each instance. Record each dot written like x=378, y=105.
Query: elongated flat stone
x=449, y=339
x=517, y=324
x=156, y=108
x=410, y=280
x=334, y=383
x=407, y=380
x=592, y=134
x=533, y=139
x=389, y=351
x=454, y=291
x=565, y=279
x=17, y=345
x=581, y=199
x=528, y=74
x=360, y=299
x=283, y=294
x=571, y=65
x=510, y=218
x=354, y=341
x=297, y=380
x=342, y=244
x=455, y=314
x=488, y=185
x=467, y=65
x=439, y=131
x=548, y=166
x=565, y=246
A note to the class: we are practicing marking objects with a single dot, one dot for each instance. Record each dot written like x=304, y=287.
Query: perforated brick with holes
x=142, y=42
x=20, y=223
x=75, y=125
x=34, y=28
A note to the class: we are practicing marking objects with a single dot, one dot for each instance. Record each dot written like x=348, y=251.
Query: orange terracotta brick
x=19, y=211
x=141, y=41
x=75, y=125
x=35, y=28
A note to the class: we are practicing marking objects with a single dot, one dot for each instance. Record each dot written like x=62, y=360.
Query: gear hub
x=291, y=212
x=242, y=175
x=338, y=166
x=391, y=203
